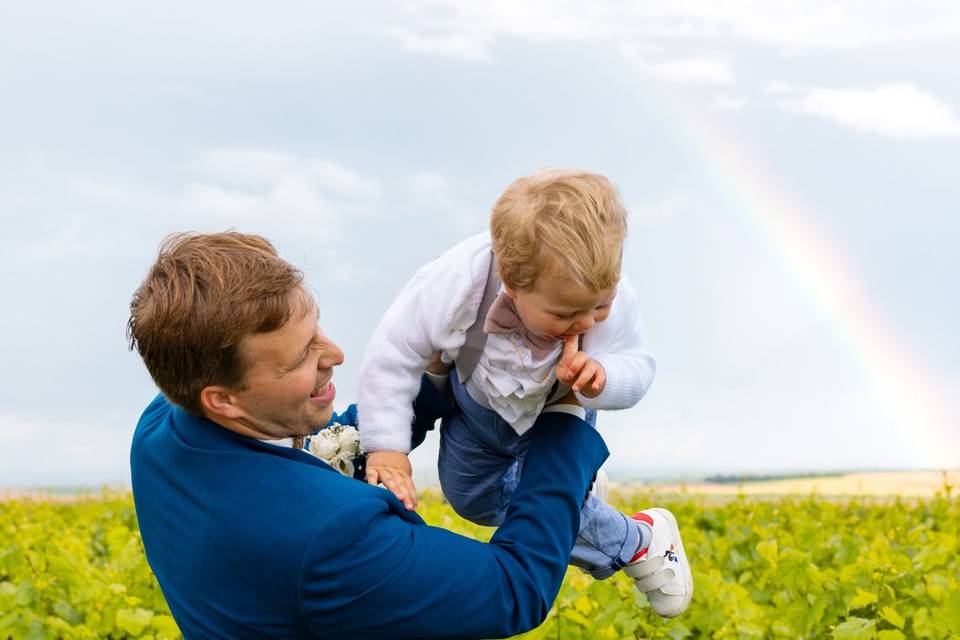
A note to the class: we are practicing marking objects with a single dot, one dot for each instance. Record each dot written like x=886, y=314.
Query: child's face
x=559, y=308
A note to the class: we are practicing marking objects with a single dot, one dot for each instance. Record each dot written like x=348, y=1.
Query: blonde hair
x=562, y=223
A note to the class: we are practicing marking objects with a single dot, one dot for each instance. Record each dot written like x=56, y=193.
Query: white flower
x=349, y=440
x=337, y=445
x=343, y=463
x=325, y=445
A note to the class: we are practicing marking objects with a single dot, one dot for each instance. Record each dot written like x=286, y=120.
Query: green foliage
x=785, y=568
x=77, y=571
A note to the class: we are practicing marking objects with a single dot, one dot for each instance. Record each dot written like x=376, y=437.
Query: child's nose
x=583, y=325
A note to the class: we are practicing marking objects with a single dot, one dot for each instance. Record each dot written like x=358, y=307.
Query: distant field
x=892, y=483
x=47, y=495
x=881, y=483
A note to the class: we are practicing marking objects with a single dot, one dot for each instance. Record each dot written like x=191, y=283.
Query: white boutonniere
x=339, y=446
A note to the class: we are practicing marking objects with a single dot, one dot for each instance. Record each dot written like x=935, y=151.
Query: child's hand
x=392, y=469
x=580, y=372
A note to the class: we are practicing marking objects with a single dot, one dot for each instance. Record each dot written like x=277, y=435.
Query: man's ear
x=220, y=401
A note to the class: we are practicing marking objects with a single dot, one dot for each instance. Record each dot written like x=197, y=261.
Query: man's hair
x=561, y=223
x=202, y=296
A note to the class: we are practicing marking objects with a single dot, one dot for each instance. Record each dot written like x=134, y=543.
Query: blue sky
x=365, y=139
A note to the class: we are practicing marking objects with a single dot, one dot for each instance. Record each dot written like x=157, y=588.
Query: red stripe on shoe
x=640, y=516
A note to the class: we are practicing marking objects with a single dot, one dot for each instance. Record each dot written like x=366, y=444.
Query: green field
x=793, y=567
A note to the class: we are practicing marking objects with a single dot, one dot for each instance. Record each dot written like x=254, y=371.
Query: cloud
x=729, y=102
x=817, y=24
x=689, y=70
x=429, y=184
x=433, y=197
x=893, y=110
x=55, y=216
x=462, y=45
x=240, y=185
x=98, y=217
x=261, y=168
x=777, y=88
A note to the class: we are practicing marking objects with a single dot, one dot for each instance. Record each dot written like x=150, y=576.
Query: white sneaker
x=661, y=571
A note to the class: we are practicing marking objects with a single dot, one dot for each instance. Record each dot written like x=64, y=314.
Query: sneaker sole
x=687, y=575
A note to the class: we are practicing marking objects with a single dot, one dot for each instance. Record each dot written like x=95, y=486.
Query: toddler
x=532, y=311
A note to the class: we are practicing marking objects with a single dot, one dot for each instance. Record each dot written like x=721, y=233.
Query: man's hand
x=437, y=366
x=580, y=372
x=392, y=469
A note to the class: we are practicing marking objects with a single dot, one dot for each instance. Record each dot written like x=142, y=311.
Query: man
x=250, y=536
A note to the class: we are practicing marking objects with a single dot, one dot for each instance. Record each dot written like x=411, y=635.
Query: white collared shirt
x=282, y=442
x=512, y=381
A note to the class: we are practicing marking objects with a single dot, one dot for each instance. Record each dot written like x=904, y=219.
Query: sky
x=791, y=169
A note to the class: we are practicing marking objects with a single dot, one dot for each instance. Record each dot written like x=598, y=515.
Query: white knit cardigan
x=433, y=312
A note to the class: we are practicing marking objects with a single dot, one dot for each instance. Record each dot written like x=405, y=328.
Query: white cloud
x=892, y=110
x=240, y=185
x=777, y=88
x=252, y=167
x=288, y=198
x=429, y=184
x=845, y=24
x=707, y=70
x=811, y=24
x=698, y=69
x=62, y=217
x=435, y=198
x=729, y=102
x=462, y=45
x=259, y=168
x=57, y=216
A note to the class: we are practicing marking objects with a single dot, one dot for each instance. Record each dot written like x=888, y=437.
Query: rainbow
x=914, y=399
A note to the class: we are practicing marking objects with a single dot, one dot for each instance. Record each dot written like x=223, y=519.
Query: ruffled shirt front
x=511, y=380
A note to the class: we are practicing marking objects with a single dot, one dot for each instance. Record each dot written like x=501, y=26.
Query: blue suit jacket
x=251, y=540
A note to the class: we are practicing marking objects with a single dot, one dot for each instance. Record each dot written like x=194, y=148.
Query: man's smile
x=324, y=394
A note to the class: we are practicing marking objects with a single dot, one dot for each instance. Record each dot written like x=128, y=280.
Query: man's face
x=559, y=308
x=288, y=389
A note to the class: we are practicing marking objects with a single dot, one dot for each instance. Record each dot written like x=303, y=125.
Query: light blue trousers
x=481, y=460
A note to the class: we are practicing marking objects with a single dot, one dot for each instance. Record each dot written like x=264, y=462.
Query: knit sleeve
x=619, y=345
x=431, y=313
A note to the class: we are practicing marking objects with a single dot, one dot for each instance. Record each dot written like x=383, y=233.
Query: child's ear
x=511, y=292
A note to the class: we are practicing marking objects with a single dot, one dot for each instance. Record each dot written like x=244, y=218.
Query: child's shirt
x=513, y=377
x=433, y=312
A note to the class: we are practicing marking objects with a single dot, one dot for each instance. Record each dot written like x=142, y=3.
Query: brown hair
x=202, y=296
x=565, y=223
